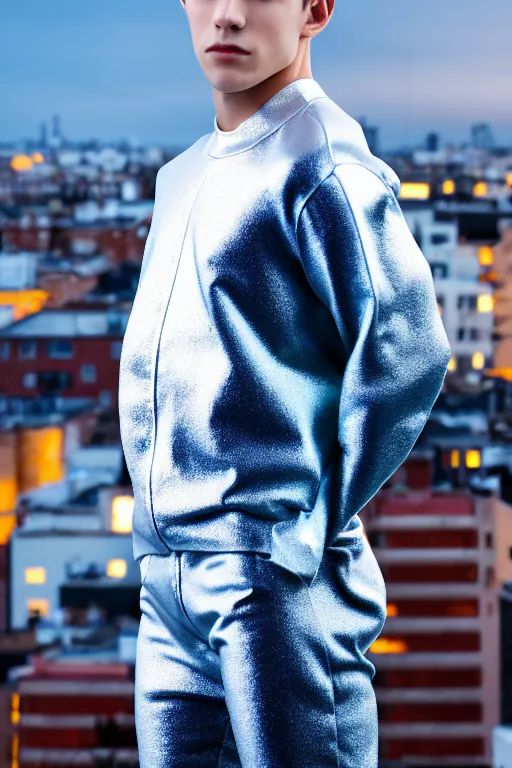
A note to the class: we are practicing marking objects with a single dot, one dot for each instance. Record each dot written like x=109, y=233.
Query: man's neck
x=233, y=108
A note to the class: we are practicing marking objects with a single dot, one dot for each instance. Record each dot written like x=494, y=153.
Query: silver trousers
x=242, y=663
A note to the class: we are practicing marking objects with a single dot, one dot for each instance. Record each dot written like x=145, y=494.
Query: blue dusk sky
x=127, y=69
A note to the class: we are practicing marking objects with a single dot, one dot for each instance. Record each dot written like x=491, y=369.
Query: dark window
x=88, y=373
x=27, y=350
x=115, y=349
x=439, y=270
x=59, y=350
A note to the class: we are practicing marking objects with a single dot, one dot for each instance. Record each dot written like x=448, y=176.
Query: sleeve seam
x=365, y=258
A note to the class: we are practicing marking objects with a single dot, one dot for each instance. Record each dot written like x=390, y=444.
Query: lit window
x=35, y=575
x=472, y=459
x=122, y=514
x=485, y=255
x=477, y=361
x=452, y=364
x=480, y=189
x=116, y=569
x=38, y=605
x=485, y=303
x=21, y=163
x=414, y=190
x=448, y=187
x=15, y=708
x=388, y=645
x=455, y=458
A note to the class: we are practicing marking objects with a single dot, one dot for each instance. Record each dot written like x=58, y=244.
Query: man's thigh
x=181, y=717
x=233, y=647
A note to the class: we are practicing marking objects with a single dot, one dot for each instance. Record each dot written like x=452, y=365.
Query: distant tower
x=56, y=125
x=481, y=136
x=56, y=137
x=43, y=135
x=432, y=141
x=371, y=134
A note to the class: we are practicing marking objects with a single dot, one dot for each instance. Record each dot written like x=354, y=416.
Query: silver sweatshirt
x=285, y=347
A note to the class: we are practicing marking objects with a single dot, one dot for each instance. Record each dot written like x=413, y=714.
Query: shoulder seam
x=331, y=172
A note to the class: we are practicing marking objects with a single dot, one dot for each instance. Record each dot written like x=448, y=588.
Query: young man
x=282, y=357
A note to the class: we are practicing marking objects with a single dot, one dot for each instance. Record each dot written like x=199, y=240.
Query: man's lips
x=227, y=49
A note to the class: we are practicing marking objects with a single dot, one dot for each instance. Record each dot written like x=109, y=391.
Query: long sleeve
x=362, y=261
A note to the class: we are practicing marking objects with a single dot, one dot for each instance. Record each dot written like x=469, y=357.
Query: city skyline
x=110, y=73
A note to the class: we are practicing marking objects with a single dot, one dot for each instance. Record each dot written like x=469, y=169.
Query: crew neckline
x=269, y=117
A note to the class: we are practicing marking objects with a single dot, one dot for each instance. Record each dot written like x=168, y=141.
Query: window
x=53, y=381
x=27, y=350
x=439, y=270
x=88, y=373
x=5, y=350
x=438, y=238
x=60, y=350
x=29, y=380
x=467, y=302
x=105, y=397
x=35, y=574
x=115, y=349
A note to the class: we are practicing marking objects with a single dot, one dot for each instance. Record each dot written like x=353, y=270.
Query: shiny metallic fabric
x=285, y=347
x=242, y=663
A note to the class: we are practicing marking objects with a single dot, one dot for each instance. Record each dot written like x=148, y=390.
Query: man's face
x=268, y=29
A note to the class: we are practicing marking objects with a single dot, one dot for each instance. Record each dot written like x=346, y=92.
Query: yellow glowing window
x=21, y=163
x=485, y=302
x=477, y=360
x=39, y=604
x=37, y=157
x=122, y=514
x=472, y=459
x=411, y=190
x=508, y=179
x=452, y=364
x=480, y=189
x=455, y=458
x=485, y=255
x=15, y=750
x=15, y=708
x=116, y=569
x=388, y=645
x=35, y=575
x=448, y=187
x=391, y=609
